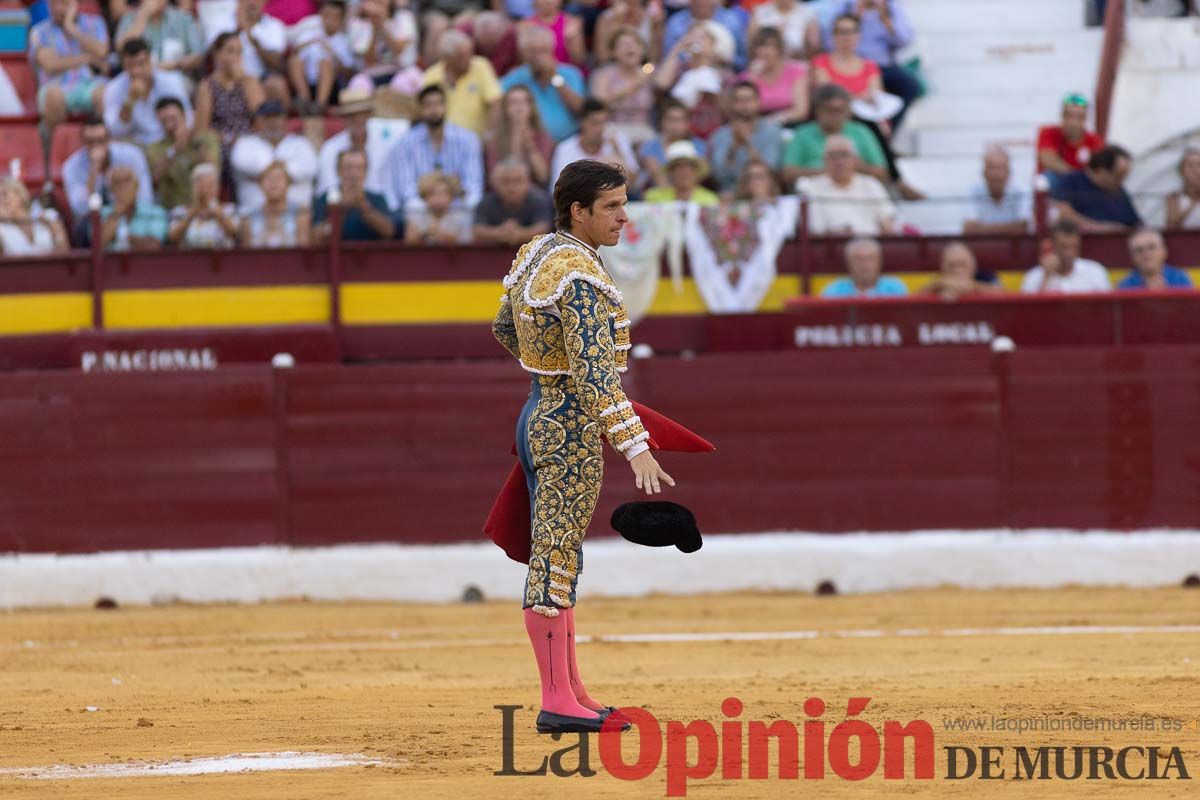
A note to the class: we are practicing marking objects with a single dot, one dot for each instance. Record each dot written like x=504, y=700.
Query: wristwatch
x=557, y=81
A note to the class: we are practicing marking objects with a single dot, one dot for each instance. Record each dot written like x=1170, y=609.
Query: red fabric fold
x=508, y=522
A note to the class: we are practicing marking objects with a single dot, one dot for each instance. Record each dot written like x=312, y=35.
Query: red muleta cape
x=508, y=522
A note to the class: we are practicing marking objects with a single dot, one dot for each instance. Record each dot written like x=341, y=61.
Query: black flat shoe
x=611, y=711
x=549, y=722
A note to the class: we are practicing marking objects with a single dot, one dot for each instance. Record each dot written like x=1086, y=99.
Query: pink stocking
x=550, y=641
x=577, y=687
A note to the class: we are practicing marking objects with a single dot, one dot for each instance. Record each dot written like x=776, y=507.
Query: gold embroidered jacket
x=561, y=314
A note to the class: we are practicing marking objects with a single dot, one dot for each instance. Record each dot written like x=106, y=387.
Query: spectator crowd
x=455, y=118
x=495, y=98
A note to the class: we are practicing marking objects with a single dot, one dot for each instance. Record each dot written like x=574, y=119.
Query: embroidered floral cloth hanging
x=732, y=249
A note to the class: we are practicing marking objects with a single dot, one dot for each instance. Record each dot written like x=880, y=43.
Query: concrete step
x=956, y=140
x=996, y=72
x=1155, y=175
x=1155, y=99
x=1028, y=106
x=1078, y=75
x=1157, y=171
x=942, y=177
x=1161, y=44
x=948, y=178
x=939, y=49
x=934, y=218
x=979, y=15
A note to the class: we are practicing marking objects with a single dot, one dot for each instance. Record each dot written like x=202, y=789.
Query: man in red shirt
x=1067, y=147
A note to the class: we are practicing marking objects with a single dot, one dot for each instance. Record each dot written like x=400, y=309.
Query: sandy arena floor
x=413, y=686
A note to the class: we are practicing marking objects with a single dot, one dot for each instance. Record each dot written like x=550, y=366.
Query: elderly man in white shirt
x=131, y=97
x=1061, y=270
x=844, y=201
x=270, y=142
x=375, y=137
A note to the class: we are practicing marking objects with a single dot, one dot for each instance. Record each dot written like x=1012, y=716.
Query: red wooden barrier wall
x=94, y=462
x=1104, y=438
x=826, y=441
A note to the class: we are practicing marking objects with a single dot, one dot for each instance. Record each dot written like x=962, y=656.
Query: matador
x=562, y=318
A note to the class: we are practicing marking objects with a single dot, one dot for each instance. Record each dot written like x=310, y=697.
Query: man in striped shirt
x=434, y=145
x=67, y=50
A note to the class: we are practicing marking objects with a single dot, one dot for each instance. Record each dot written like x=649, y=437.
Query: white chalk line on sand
x=214, y=765
x=213, y=638
x=867, y=633
x=247, y=643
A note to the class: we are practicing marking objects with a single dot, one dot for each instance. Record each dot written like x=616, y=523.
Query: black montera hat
x=658, y=523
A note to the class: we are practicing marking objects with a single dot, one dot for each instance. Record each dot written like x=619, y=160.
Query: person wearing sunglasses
x=1067, y=146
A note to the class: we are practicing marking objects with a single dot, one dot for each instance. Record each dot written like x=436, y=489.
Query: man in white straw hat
x=356, y=108
x=684, y=172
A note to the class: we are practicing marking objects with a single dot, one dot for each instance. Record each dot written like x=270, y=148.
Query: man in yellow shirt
x=684, y=172
x=472, y=90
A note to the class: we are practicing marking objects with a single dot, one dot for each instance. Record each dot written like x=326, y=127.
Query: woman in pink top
x=289, y=12
x=857, y=75
x=782, y=82
x=569, y=47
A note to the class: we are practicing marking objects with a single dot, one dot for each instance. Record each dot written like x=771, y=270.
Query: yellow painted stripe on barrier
x=669, y=301
x=785, y=286
x=216, y=306
x=362, y=303
x=477, y=301
x=1011, y=280
x=420, y=302
x=56, y=312
x=687, y=299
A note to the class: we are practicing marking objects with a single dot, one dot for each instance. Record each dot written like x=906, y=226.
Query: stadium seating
x=24, y=82
x=995, y=72
x=21, y=141
x=68, y=138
